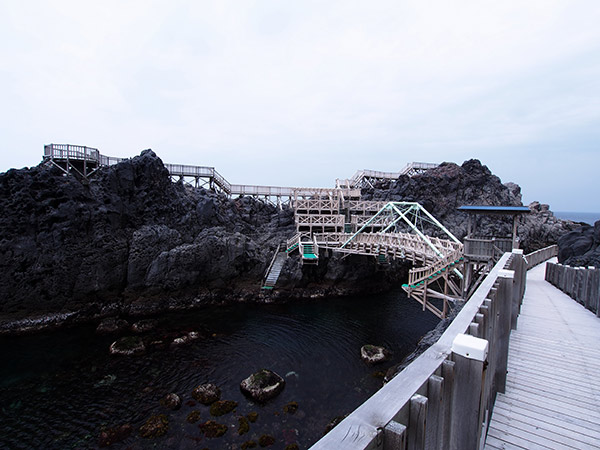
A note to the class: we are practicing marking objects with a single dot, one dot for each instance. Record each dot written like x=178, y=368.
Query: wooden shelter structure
x=481, y=253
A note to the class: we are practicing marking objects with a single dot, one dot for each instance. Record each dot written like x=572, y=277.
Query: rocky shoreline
x=133, y=243
x=580, y=247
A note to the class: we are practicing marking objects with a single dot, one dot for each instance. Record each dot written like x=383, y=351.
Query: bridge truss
x=395, y=230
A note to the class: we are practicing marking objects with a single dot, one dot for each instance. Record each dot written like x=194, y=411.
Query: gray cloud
x=259, y=89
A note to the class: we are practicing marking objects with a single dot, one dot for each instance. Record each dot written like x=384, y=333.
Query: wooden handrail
x=458, y=391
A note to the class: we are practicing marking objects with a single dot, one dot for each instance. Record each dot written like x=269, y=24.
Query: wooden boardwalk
x=552, y=398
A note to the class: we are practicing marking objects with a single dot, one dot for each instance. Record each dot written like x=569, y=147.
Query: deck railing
x=582, y=284
x=68, y=151
x=486, y=248
x=443, y=400
x=419, y=274
x=539, y=256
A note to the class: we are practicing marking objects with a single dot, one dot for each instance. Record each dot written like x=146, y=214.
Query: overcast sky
x=301, y=93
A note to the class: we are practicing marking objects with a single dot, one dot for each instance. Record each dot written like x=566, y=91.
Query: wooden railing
x=68, y=151
x=485, y=248
x=416, y=167
x=539, y=256
x=443, y=400
x=261, y=191
x=318, y=204
x=416, y=275
x=580, y=283
x=319, y=220
x=110, y=160
x=410, y=169
x=376, y=243
x=364, y=206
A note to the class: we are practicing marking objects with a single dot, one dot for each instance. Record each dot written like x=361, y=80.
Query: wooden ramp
x=552, y=398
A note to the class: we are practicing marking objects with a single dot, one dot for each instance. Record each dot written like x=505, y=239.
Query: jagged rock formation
x=581, y=247
x=131, y=242
x=443, y=189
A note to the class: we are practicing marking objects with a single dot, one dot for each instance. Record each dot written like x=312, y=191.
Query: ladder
x=274, y=270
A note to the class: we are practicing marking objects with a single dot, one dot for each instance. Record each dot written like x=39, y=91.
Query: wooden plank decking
x=552, y=398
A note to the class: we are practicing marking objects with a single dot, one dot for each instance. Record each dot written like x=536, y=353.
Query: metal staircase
x=274, y=269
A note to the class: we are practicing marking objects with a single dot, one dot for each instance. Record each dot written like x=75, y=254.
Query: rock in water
x=128, y=345
x=185, y=339
x=373, y=354
x=112, y=325
x=155, y=426
x=262, y=385
x=207, y=393
x=142, y=326
x=171, y=401
x=212, y=429
x=222, y=407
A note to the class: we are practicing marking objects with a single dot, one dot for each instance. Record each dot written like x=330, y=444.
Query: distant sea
x=587, y=217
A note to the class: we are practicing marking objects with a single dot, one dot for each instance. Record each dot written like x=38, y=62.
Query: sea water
x=59, y=390
x=586, y=217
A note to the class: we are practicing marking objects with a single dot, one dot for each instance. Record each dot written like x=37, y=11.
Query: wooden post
x=503, y=317
x=578, y=284
x=593, y=289
x=584, y=288
x=515, y=242
x=417, y=422
x=517, y=285
x=565, y=279
x=394, y=436
x=435, y=410
x=448, y=375
x=469, y=354
x=481, y=326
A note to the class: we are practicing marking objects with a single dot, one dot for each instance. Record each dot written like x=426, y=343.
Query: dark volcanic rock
x=155, y=426
x=212, y=429
x=581, y=247
x=540, y=228
x=373, y=354
x=443, y=189
x=128, y=345
x=112, y=325
x=171, y=401
x=129, y=235
x=262, y=385
x=222, y=407
x=131, y=242
x=207, y=393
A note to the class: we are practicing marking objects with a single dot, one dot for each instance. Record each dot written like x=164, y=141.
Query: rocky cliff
x=443, y=189
x=581, y=247
x=132, y=242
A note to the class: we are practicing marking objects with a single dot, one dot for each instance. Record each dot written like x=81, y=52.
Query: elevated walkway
x=85, y=161
x=552, y=398
x=367, y=178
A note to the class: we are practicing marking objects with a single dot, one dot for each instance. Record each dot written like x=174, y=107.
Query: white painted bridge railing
x=444, y=399
x=387, y=243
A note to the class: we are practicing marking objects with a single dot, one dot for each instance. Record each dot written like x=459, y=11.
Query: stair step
x=275, y=271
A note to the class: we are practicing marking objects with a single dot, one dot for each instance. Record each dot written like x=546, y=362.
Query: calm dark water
x=59, y=390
